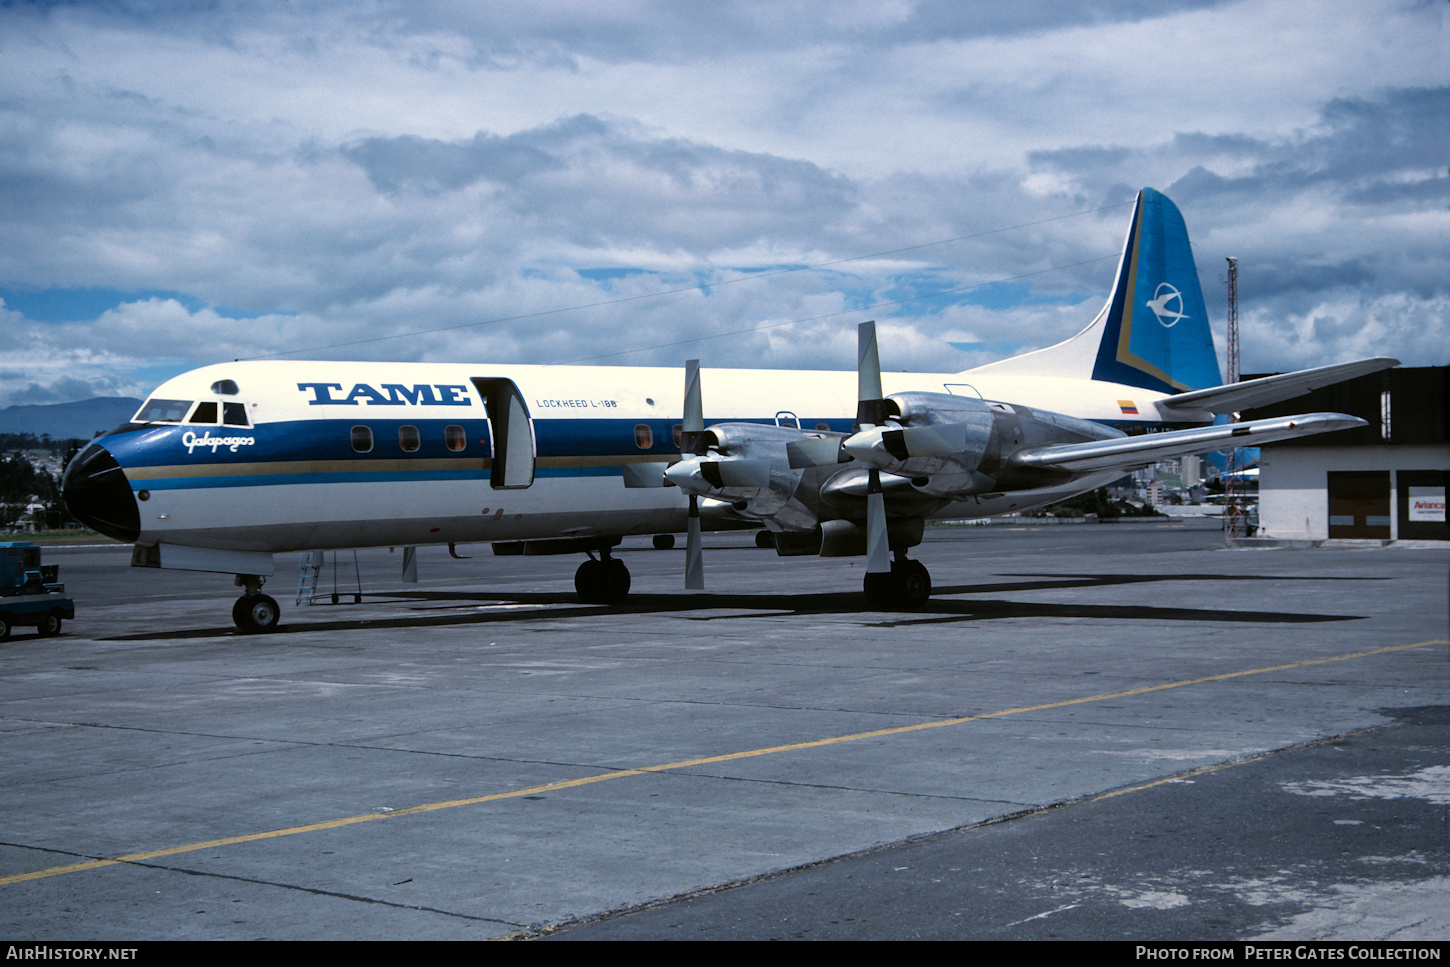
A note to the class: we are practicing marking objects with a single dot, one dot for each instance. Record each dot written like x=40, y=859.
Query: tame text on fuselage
x=389, y=394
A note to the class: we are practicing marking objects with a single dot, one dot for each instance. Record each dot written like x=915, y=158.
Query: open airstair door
x=511, y=432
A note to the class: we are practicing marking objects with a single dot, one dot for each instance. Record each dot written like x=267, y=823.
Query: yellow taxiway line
x=682, y=764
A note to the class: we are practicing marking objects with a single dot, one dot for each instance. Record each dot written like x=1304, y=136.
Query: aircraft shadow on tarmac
x=439, y=609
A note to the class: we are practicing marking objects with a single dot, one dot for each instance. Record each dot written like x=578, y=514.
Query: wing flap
x=1129, y=452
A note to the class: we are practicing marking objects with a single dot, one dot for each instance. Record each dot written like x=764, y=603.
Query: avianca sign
x=388, y=394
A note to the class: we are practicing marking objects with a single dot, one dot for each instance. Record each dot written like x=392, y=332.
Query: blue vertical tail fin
x=1156, y=333
x=1154, y=330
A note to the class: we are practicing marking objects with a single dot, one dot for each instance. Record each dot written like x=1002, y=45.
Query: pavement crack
x=319, y=891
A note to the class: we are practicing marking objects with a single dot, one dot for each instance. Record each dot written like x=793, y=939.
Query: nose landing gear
x=254, y=612
x=602, y=581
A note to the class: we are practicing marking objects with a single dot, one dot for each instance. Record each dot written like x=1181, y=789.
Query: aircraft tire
x=49, y=625
x=664, y=542
x=616, y=581
x=5, y=623
x=913, y=585
x=589, y=582
x=764, y=538
x=255, y=614
x=880, y=592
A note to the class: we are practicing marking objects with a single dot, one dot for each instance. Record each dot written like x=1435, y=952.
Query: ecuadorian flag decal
x=1128, y=407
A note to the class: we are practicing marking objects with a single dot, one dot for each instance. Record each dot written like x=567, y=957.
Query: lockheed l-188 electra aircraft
x=227, y=465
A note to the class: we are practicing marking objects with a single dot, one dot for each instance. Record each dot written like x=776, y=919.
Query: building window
x=1385, y=415
x=454, y=437
x=408, y=438
x=362, y=439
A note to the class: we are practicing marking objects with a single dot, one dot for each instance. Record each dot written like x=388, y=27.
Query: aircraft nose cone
x=96, y=491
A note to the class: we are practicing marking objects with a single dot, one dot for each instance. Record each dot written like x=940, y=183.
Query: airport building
x=1385, y=481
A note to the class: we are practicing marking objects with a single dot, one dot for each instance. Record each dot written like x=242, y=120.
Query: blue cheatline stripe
x=330, y=439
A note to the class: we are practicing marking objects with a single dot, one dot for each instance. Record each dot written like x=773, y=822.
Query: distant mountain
x=83, y=419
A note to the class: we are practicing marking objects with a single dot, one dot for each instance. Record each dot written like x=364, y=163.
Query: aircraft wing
x=1130, y=452
x=1270, y=389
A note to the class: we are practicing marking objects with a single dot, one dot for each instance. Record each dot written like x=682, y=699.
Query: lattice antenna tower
x=1233, y=320
x=1233, y=457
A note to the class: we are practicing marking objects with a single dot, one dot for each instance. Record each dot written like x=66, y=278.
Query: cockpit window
x=164, y=411
x=205, y=412
x=224, y=387
x=234, y=414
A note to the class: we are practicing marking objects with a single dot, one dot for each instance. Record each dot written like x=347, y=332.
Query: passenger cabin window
x=234, y=414
x=454, y=438
x=408, y=438
x=205, y=412
x=362, y=439
x=162, y=411
x=644, y=437
x=677, y=434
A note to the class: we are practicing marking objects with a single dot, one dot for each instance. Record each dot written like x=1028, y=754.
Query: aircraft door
x=511, y=432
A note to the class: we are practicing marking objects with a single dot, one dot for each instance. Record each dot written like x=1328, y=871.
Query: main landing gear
x=254, y=611
x=602, y=581
x=906, y=588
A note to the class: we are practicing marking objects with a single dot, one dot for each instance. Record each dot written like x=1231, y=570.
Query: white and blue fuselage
x=339, y=454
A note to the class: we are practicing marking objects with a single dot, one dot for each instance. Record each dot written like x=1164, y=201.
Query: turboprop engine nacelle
x=956, y=446
x=747, y=465
x=938, y=441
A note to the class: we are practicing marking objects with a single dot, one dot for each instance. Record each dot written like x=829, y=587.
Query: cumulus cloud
x=634, y=184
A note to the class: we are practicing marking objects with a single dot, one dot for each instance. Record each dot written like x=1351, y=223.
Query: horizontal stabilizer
x=1125, y=453
x=1271, y=389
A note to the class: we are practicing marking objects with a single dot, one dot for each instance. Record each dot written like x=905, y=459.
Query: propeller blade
x=694, y=553
x=878, y=545
x=736, y=473
x=822, y=452
x=692, y=427
x=870, y=407
x=871, y=412
x=692, y=430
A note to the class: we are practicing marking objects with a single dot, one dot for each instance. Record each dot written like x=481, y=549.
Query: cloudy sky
x=641, y=181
